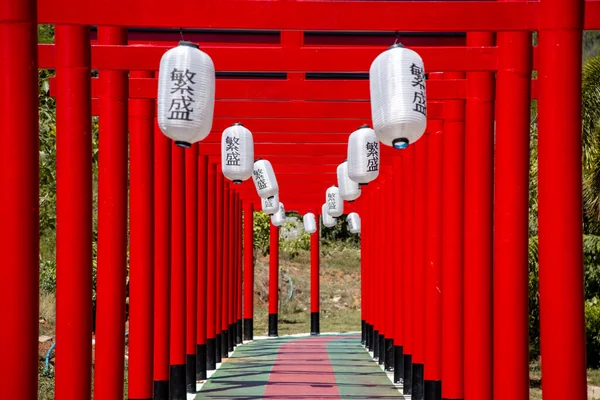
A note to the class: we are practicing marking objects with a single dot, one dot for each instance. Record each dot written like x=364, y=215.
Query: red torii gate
x=559, y=23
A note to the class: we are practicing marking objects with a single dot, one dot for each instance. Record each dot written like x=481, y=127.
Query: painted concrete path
x=322, y=367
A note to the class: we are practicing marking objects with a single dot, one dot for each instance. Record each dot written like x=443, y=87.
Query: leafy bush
x=592, y=331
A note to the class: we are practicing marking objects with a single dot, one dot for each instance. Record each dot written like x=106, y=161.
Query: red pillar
x=420, y=240
x=178, y=276
x=19, y=201
x=407, y=179
x=248, y=271
x=111, y=273
x=232, y=282
x=511, y=215
x=239, y=323
x=219, y=261
x=73, y=213
x=141, y=264
x=388, y=254
x=191, y=263
x=226, y=272
x=314, y=281
x=479, y=189
x=273, y=279
x=452, y=246
x=397, y=272
x=211, y=269
x=202, y=269
x=162, y=262
x=433, y=262
x=560, y=211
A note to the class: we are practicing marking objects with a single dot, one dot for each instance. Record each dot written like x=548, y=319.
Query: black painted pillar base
x=201, y=362
x=211, y=351
x=273, y=325
x=315, y=328
x=382, y=349
x=407, y=387
x=372, y=336
x=418, y=390
x=398, y=364
x=190, y=373
x=433, y=390
x=375, y=344
x=238, y=332
x=224, y=344
x=363, y=336
x=177, y=382
x=161, y=390
x=389, y=354
x=369, y=337
x=231, y=336
x=248, y=329
x=218, y=342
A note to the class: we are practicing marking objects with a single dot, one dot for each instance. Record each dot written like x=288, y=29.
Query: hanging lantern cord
x=181, y=33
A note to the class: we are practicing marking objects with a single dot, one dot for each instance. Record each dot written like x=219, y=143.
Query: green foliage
x=591, y=143
x=262, y=227
x=592, y=329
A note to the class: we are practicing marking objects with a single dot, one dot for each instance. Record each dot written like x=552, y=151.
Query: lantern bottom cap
x=181, y=143
x=237, y=181
x=362, y=184
x=400, y=143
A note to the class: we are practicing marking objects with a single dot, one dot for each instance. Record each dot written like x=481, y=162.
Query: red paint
x=211, y=254
x=141, y=264
x=248, y=261
x=398, y=273
x=191, y=247
x=560, y=212
x=73, y=215
x=226, y=266
x=202, y=251
x=273, y=269
x=297, y=371
x=220, y=195
x=452, y=247
x=407, y=254
x=315, y=239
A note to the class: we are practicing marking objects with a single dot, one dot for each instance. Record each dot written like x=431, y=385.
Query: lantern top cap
x=364, y=126
x=188, y=44
x=395, y=45
x=240, y=124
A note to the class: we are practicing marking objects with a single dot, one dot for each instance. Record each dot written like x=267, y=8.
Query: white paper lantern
x=186, y=94
x=270, y=205
x=278, y=218
x=335, y=204
x=363, y=155
x=327, y=219
x=353, y=222
x=398, y=99
x=237, y=153
x=310, y=224
x=264, y=179
x=349, y=190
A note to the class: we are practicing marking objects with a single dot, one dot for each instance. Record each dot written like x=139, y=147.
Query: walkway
x=323, y=367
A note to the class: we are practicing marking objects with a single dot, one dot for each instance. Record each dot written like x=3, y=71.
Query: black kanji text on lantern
x=419, y=102
x=181, y=103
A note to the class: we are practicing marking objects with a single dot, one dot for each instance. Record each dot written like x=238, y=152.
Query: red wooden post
x=211, y=269
x=73, y=213
x=19, y=201
x=397, y=272
x=452, y=246
x=178, y=276
x=314, y=281
x=376, y=284
x=239, y=239
x=191, y=263
x=226, y=294
x=479, y=189
x=202, y=304
x=219, y=261
x=112, y=227
x=433, y=272
x=511, y=214
x=420, y=241
x=389, y=254
x=560, y=212
x=141, y=264
x=248, y=271
x=273, y=279
x=231, y=282
x=162, y=262
x=407, y=181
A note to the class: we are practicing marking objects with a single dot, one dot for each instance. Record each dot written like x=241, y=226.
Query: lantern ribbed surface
x=335, y=204
x=353, y=222
x=278, y=218
x=349, y=190
x=327, y=219
x=398, y=98
x=264, y=179
x=237, y=153
x=363, y=155
x=270, y=205
x=310, y=224
x=186, y=94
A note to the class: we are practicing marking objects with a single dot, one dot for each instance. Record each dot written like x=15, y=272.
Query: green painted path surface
x=323, y=367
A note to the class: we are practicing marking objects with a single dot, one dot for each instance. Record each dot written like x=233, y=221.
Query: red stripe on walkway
x=303, y=370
